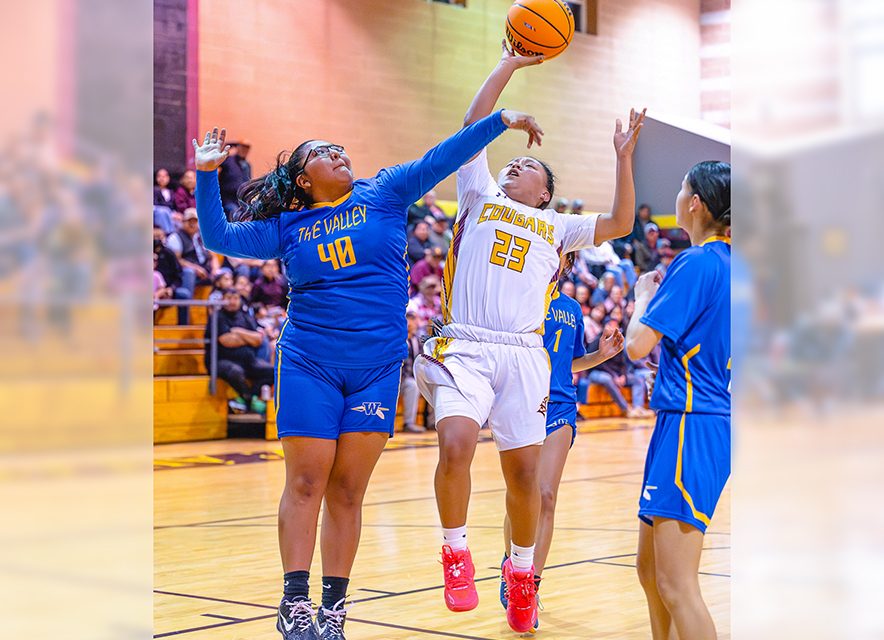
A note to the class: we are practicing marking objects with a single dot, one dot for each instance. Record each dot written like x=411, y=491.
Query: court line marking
x=388, y=502
x=220, y=617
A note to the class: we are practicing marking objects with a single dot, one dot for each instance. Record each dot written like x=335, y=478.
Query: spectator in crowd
x=243, y=286
x=184, y=197
x=170, y=268
x=160, y=289
x=567, y=288
x=427, y=207
x=613, y=374
x=666, y=255
x=561, y=205
x=430, y=265
x=582, y=296
x=188, y=247
x=604, y=288
x=230, y=177
x=582, y=272
x=270, y=289
x=242, y=153
x=439, y=234
x=605, y=258
x=642, y=218
x=614, y=300
x=248, y=267
x=408, y=390
x=239, y=339
x=617, y=314
x=577, y=207
x=418, y=242
x=222, y=281
x=594, y=323
x=162, y=193
x=646, y=253
x=427, y=304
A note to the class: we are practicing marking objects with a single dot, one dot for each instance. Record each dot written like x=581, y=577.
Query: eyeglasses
x=321, y=152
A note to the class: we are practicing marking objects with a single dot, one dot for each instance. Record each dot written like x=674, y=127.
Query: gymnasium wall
x=389, y=79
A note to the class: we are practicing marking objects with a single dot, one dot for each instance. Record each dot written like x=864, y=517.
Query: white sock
x=455, y=538
x=522, y=558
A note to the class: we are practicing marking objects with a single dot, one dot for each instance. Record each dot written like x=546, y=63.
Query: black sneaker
x=331, y=621
x=295, y=620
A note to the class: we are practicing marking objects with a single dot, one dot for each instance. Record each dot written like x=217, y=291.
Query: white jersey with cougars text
x=503, y=263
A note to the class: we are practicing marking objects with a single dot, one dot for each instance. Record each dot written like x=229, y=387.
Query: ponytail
x=271, y=194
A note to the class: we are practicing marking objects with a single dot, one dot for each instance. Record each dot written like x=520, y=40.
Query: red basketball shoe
x=460, y=589
x=521, y=609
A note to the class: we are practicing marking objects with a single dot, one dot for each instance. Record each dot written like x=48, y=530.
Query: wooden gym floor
x=217, y=572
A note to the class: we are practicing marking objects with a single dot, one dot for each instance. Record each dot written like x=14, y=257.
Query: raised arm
x=255, y=239
x=488, y=94
x=620, y=221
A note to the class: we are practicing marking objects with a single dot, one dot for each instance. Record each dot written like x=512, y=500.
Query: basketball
x=539, y=27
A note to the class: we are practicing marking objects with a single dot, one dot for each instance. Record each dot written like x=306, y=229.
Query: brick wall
x=389, y=79
x=170, y=85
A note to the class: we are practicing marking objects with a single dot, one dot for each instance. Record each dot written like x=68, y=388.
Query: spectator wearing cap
x=577, y=207
x=230, y=178
x=561, y=205
x=194, y=258
x=431, y=265
x=425, y=207
x=646, y=253
x=184, y=197
x=439, y=234
x=408, y=390
x=418, y=242
x=242, y=152
x=427, y=304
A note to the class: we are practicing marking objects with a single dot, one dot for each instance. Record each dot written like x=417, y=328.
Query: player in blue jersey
x=564, y=342
x=343, y=245
x=689, y=455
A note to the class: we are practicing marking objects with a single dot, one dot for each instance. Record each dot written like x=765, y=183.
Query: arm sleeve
x=256, y=239
x=577, y=232
x=681, y=298
x=411, y=180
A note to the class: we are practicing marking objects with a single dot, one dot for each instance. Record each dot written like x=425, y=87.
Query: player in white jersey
x=488, y=363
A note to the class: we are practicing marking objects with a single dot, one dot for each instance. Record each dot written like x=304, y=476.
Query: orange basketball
x=535, y=27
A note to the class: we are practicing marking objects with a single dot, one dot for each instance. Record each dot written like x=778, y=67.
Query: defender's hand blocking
x=212, y=152
x=524, y=122
x=611, y=343
x=511, y=58
x=624, y=141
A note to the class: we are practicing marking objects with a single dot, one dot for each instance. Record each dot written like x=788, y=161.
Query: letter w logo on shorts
x=372, y=409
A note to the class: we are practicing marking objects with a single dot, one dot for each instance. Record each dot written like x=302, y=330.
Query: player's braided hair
x=277, y=191
x=711, y=181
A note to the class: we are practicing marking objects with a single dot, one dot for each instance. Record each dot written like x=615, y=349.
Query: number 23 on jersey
x=509, y=251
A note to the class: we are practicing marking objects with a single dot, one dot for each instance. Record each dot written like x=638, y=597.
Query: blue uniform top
x=563, y=340
x=345, y=260
x=692, y=311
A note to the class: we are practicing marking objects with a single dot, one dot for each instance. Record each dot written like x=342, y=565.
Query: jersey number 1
x=509, y=251
x=339, y=253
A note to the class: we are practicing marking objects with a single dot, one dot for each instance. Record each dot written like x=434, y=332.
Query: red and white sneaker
x=459, y=573
x=521, y=609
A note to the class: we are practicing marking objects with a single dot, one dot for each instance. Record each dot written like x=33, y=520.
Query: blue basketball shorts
x=318, y=401
x=688, y=464
x=561, y=414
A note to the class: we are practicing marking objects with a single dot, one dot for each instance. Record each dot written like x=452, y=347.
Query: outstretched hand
x=524, y=122
x=611, y=343
x=209, y=155
x=509, y=56
x=624, y=141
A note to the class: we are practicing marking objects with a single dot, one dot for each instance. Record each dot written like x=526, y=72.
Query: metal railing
x=212, y=341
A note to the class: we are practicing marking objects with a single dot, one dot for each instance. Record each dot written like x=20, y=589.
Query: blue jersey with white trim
x=563, y=340
x=345, y=260
x=692, y=311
